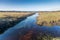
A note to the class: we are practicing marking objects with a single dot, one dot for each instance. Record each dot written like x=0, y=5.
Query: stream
x=30, y=22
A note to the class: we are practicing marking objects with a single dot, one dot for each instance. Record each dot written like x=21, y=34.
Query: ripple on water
x=30, y=22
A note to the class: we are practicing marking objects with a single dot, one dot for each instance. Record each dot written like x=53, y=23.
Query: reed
x=49, y=18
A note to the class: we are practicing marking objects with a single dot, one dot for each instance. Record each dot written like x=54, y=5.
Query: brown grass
x=14, y=14
x=48, y=18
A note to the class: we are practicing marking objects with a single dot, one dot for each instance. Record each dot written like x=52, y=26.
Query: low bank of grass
x=48, y=18
x=9, y=19
x=14, y=14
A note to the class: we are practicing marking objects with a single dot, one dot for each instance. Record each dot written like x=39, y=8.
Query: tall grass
x=48, y=18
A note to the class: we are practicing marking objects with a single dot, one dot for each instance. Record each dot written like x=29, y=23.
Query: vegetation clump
x=48, y=18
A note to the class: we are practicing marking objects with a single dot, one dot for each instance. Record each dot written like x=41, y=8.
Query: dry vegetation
x=49, y=18
x=57, y=38
x=10, y=18
x=14, y=14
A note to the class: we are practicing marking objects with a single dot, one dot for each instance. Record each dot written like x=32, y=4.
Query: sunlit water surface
x=29, y=22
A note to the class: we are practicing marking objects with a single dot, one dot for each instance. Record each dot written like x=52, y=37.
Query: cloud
x=34, y=6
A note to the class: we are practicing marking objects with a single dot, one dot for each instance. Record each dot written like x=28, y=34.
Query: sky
x=29, y=5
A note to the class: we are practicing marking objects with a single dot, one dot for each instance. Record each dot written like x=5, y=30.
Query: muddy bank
x=8, y=22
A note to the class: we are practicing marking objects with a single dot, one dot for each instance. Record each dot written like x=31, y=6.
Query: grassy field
x=49, y=18
x=57, y=38
x=9, y=19
x=14, y=14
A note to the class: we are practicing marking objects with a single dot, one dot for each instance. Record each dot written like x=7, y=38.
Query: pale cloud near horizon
x=31, y=7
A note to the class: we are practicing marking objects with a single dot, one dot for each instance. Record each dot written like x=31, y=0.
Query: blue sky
x=30, y=5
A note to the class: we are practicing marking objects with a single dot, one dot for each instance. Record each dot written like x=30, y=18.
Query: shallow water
x=29, y=22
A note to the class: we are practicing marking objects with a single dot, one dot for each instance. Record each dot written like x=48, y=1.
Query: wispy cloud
x=30, y=5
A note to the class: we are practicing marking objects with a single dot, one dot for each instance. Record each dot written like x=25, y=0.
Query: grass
x=57, y=38
x=10, y=19
x=14, y=14
x=48, y=18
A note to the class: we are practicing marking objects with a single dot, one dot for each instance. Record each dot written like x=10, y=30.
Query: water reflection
x=30, y=22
